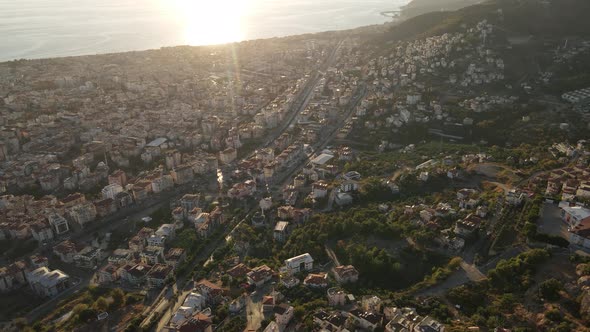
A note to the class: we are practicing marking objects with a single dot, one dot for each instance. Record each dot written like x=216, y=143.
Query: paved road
x=299, y=105
x=468, y=273
x=327, y=138
x=185, y=284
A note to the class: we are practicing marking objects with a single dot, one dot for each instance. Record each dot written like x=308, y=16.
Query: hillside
x=554, y=19
x=419, y=7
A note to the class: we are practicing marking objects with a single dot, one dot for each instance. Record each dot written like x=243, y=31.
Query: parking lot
x=551, y=223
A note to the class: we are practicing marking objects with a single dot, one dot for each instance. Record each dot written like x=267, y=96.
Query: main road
x=303, y=97
x=332, y=131
x=162, y=304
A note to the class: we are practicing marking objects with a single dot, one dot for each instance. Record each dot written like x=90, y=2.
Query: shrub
x=87, y=314
x=553, y=315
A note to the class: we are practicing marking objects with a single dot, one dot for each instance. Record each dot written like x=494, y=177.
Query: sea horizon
x=37, y=29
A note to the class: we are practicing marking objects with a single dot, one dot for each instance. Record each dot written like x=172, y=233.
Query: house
x=268, y=304
x=41, y=231
x=283, y=314
x=259, y=275
x=136, y=243
x=111, y=190
x=210, y=291
x=196, y=301
x=123, y=199
x=371, y=303
x=118, y=177
x=316, y=280
x=345, y=274
x=574, y=215
x=427, y=215
x=424, y=176
x=430, y=325
x=467, y=226
x=7, y=282
x=299, y=263
x=19, y=231
x=290, y=282
x=349, y=185
x=583, y=190
x=197, y=323
x=335, y=321
x=120, y=256
x=227, y=156
x=281, y=231
x=205, y=229
x=319, y=190
x=105, y=207
x=38, y=261
x=47, y=283
x=454, y=173
x=13, y=275
x=82, y=213
x=258, y=219
x=514, y=197
x=393, y=186
x=108, y=274
x=343, y=199
x=336, y=297
x=175, y=257
x=152, y=255
x=238, y=272
x=73, y=199
x=158, y=275
x=167, y=230
x=188, y=202
x=580, y=234
x=272, y=327
x=237, y=304
x=406, y=320
x=88, y=257
x=366, y=320
x=466, y=193
x=156, y=241
x=59, y=223
x=182, y=174
x=135, y=274
x=66, y=251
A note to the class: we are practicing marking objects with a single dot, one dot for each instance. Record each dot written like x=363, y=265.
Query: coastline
x=320, y=34
x=29, y=34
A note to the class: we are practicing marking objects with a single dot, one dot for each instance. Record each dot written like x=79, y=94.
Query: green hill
x=540, y=18
x=419, y=7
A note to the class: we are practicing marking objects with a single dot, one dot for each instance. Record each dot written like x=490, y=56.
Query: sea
x=54, y=28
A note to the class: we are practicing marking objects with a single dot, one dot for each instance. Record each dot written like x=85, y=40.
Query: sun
x=209, y=22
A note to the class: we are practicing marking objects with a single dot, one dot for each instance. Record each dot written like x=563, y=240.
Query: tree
x=86, y=315
x=225, y=280
x=20, y=323
x=101, y=304
x=118, y=298
x=549, y=289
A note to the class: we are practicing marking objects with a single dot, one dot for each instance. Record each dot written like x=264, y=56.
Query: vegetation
x=87, y=304
x=515, y=274
x=14, y=249
x=550, y=289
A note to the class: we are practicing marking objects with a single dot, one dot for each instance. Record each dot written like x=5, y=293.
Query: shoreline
x=394, y=19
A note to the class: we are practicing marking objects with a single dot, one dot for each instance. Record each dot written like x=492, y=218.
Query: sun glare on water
x=210, y=21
